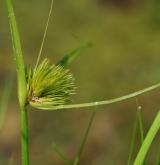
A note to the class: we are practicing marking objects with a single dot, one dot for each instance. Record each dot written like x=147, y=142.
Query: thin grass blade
x=45, y=34
x=85, y=137
x=61, y=155
x=141, y=128
x=158, y=156
x=140, y=123
x=132, y=145
x=148, y=140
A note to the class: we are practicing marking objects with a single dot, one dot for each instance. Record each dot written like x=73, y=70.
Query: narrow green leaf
x=60, y=154
x=70, y=57
x=133, y=140
x=84, y=140
x=148, y=140
x=140, y=123
x=158, y=156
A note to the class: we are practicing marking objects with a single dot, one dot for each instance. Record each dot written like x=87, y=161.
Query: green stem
x=24, y=137
x=140, y=122
x=148, y=140
x=76, y=161
x=22, y=87
x=45, y=33
x=106, y=102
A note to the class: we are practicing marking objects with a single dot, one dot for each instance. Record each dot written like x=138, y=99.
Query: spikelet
x=49, y=85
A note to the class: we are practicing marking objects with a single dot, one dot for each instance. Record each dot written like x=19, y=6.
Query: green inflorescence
x=49, y=85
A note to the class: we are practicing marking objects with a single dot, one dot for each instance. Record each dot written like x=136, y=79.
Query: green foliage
x=85, y=137
x=82, y=145
x=70, y=57
x=22, y=88
x=148, y=140
x=138, y=124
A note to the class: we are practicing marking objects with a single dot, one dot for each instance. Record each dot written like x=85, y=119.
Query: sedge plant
x=48, y=87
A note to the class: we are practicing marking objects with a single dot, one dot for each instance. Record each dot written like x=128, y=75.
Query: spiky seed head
x=49, y=85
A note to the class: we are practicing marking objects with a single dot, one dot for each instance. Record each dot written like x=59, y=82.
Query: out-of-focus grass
x=4, y=103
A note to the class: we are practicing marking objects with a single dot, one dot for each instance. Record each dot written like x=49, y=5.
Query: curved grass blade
x=148, y=140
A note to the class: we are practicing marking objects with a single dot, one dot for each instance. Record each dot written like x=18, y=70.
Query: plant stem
x=22, y=87
x=141, y=129
x=24, y=137
x=98, y=103
x=148, y=140
x=45, y=33
x=84, y=140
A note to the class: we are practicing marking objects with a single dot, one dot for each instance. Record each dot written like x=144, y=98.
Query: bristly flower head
x=49, y=85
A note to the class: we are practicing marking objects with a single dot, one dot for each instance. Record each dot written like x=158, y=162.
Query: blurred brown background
x=125, y=57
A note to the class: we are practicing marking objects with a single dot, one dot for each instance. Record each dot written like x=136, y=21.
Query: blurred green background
x=124, y=57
